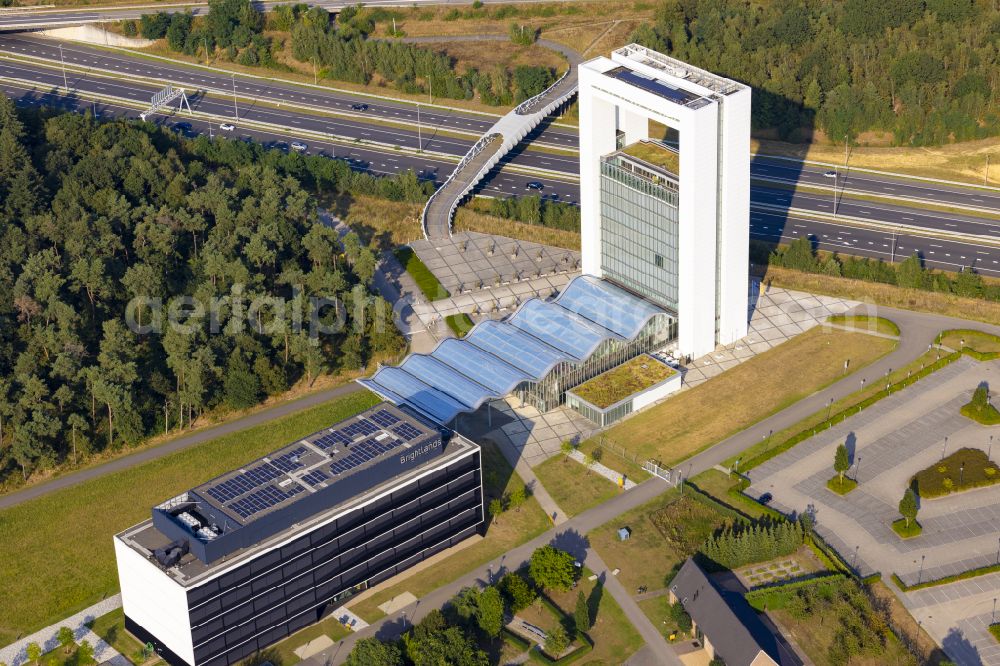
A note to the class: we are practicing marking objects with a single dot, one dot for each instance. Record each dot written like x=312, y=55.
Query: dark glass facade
x=259, y=603
x=639, y=231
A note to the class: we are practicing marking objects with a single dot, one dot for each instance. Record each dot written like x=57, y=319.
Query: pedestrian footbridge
x=490, y=149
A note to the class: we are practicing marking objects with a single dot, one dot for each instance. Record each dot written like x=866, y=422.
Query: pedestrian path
x=16, y=653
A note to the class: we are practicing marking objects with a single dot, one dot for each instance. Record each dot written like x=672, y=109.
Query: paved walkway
x=918, y=331
x=568, y=536
x=175, y=445
x=16, y=653
x=495, y=143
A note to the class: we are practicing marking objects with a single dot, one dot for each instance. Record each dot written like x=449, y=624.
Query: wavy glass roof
x=495, y=357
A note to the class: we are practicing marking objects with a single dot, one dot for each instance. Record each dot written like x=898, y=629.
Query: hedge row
x=775, y=597
x=701, y=496
x=971, y=573
x=844, y=414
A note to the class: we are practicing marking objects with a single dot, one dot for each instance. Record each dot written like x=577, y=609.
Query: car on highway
x=830, y=174
x=535, y=185
x=299, y=146
x=359, y=107
x=182, y=128
x=227, y=127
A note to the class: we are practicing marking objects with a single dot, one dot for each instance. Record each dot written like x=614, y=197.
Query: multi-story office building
x=238, y=563
x=665, y=189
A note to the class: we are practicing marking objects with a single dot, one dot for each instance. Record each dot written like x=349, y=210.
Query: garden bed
x=962, y=470
x=629, y=378
x=841, y=486
x=906, y=530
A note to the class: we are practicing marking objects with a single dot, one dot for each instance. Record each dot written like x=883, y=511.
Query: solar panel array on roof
x=263, y=499
x=364, y=452
x=652, y=85
x=495, y=357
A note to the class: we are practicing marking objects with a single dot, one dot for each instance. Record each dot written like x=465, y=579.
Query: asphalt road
x=765, y=224
x=175, y=445
x=783, y=171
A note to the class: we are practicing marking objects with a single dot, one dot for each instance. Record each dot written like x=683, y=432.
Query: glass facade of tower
x=639, y=228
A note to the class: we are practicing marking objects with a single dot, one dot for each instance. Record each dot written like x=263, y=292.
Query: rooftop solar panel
x=652, y=85
x=406, y=431
x=384, y=418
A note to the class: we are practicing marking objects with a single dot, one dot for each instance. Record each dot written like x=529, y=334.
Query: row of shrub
x=911, y=273
x=776, y=597
x=847, y=412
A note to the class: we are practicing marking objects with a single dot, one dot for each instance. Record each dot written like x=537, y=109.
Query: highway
x=769, y=204
x=404, y=114
x=354, y=125
x=19, y=19
x=765, y=225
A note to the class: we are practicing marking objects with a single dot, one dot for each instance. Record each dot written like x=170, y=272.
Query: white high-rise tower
x=665, y=189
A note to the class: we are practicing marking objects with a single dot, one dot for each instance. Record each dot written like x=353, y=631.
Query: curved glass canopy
x=495, y=357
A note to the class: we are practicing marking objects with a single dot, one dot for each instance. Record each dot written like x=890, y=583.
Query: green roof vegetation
x=619, y=383
x=656, y=154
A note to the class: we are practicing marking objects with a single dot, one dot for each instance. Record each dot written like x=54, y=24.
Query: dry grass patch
x=665, y=532
x=964, y=162
x=705, y=415
x=387, y=224
x=492, y=54
x=984, y=343
x=471, y=220
x=885, y=294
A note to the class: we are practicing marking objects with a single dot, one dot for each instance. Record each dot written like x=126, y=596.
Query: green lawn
x=866, y=323
x=285, y=650
x=460, y=324
x=111, y=627
x=718, y=484
x=429, y=285
x=906, y=531
x=698, y=418
x=971, y=339
x=995, y=630
x=512, y=529
x=574, y=487
x=841, y=487
x=42, y=573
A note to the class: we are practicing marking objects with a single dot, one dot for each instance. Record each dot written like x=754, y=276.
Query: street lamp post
x=944, y=447
x=236, y=108
x=63, y=63
x=920, y=575
x=989, y=449
x=420, y=141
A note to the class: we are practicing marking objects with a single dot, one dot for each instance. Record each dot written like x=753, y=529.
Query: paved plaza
x=889, y=442
x=490, y=275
